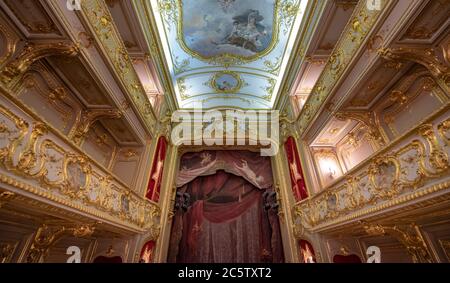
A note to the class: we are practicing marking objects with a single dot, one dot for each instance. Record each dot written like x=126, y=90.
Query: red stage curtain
x=307, y=253
x=352, y=258
x=228, y=207
x=295, y=168
x=251, y=166
x=154, y=184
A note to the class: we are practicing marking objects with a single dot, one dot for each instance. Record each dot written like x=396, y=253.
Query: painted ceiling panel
x=227, y=53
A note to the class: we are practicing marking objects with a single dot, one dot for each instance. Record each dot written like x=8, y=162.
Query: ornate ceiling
x=226, y=53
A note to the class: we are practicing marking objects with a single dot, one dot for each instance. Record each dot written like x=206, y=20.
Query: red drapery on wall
x=154, y=184
x=307, y=252
x=295, y=169
x=147, y=252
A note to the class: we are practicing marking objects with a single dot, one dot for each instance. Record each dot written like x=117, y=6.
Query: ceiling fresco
x=227, y=53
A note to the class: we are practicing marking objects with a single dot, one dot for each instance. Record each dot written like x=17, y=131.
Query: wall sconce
x=332, y=172
x=329, y=168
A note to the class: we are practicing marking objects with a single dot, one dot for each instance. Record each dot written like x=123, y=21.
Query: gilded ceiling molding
x=446, y=51
x=57, y=96
x=368, y=120
x=311, y=19
x=6, y=251
x=401, y=96
x=9, y=40
x=287, y=128
x=423, y=56
x=34, y=51
x=47, y=235
x=157, y=55
x=445, y=244
x=88, y=118
x=358, y=28
x=153, y=233
x=164, y=128
x=98, y=17
x=408, y=235
x=398, y=95
x=346, y=4
x=5, y=197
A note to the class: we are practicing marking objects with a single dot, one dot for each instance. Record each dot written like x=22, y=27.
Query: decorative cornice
x=311, y=20
x=47, y=235
x=89, y=117
x=366, y=118
x=345, y=51
x=424, y=56
x=100, y=21
x=33, y=52
x=408, y=235
x=37, y=192
x=151, y=34
x=5, y=197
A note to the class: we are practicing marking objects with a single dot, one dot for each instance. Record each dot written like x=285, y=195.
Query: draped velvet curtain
x=154, y=184
x=295, y=168
x=225, y=216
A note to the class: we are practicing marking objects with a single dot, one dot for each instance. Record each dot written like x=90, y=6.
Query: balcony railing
x=35, y=158
x=412, y=167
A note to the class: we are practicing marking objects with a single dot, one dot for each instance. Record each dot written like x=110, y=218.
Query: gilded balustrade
x=35, y=158
x=413, y=166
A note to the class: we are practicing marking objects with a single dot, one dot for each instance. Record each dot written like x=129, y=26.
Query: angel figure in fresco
x=206, y=158
x=247, y=31
x=249, y=172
